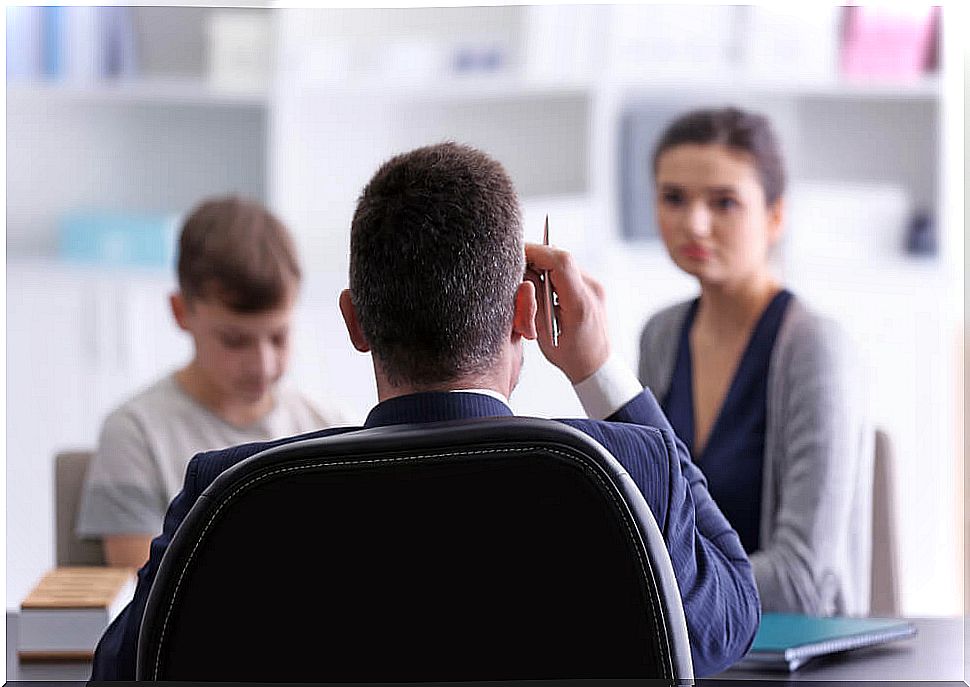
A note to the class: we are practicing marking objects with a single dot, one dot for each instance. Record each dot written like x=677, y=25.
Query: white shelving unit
x=187, y=92
x=310, y=141
x=135, y=149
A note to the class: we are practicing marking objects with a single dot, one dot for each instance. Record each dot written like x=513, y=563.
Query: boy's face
x=242, y=355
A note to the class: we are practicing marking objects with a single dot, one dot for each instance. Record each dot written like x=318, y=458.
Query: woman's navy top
x=733, y=458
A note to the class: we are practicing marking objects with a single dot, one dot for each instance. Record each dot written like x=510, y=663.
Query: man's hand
x=583, y=342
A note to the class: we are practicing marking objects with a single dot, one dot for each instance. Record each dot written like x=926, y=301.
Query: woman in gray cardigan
x=765, y=392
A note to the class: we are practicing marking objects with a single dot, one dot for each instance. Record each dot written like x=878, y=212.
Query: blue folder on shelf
x=785, y=641
x=118, y=238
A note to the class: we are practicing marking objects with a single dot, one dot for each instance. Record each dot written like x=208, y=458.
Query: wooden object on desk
x=64, y=616
x=78, y=587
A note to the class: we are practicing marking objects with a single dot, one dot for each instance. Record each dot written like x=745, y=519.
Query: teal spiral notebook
x=785, y=641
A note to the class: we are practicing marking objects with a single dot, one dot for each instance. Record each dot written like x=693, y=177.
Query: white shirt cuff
x=608, y=389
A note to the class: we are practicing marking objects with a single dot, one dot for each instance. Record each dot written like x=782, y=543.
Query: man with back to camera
x=439, y=228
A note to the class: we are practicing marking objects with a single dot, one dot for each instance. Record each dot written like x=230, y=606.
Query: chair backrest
x=493, y=549
x=70, y=467
x=884, y=590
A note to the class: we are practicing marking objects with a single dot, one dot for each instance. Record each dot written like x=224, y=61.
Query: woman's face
x=712, y=213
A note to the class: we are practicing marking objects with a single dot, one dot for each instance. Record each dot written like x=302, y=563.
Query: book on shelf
x=76, y=45
x=894, y=43
x=64, y=616
x=25, y=52
x=118, y=238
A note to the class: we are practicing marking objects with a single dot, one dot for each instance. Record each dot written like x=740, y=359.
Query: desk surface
x=936, y=653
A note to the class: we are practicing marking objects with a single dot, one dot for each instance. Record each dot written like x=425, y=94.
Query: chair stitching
x=259, y=478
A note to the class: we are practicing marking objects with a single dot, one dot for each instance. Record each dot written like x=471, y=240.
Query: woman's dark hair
x=736, y=129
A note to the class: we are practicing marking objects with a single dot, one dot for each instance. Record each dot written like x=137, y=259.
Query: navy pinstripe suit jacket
x=720, y=599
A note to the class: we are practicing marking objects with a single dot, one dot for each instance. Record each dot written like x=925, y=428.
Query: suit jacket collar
x=435, y=406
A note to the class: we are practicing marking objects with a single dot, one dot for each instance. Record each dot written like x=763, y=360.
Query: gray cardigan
x=816, y=503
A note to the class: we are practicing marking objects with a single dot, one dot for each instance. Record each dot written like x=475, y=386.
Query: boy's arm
x=122, y=500
x=126, y=550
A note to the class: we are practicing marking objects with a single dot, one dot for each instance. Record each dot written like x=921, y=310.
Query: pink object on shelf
x=892, y=43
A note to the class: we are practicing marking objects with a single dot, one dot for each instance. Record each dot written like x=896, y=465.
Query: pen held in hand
x=552, y=325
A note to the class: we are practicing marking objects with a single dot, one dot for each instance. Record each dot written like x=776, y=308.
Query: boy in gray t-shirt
x=238, y=280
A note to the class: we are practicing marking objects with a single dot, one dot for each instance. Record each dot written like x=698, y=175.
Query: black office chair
x=497, y=549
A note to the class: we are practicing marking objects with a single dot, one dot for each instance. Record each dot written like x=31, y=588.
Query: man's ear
x=776, y=221
x=180, y=309
x=349, y=312
x=524, y=316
